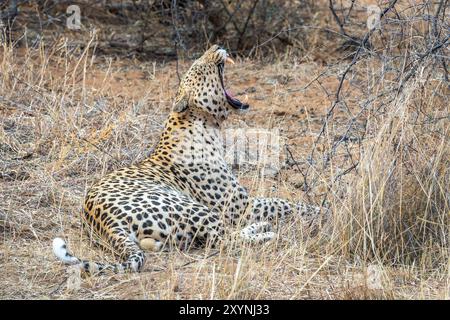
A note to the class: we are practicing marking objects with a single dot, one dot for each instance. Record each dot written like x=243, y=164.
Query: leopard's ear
x=181, y=101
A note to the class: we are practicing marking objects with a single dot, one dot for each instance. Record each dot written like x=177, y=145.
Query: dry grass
x=67, y=117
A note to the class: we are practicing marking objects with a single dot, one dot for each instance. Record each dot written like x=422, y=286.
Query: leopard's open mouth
x=232, y=101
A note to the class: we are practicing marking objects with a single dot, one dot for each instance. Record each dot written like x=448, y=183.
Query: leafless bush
x=167, y=28
x=389, y=162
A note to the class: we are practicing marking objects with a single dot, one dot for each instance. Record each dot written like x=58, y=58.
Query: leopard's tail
x=134, y=262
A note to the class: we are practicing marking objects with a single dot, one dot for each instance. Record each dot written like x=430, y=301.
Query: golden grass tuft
x=396, y=209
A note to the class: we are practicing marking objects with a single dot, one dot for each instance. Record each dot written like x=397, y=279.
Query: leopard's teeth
x=228, y=59
x=245, y=99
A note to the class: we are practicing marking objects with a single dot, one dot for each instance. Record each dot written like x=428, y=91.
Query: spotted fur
x=184, y=193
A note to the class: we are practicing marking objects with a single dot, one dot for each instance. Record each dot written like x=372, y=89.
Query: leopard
x=184, y=194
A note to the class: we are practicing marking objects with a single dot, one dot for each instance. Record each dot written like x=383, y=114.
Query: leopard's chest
x=196, y=162
x=211, y=183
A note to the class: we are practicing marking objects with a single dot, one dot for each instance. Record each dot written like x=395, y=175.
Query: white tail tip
x=60, y=250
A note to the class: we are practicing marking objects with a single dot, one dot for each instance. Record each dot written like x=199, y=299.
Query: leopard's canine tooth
x=228, y=59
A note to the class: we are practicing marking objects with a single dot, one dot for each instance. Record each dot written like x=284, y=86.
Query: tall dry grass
x=396, y=209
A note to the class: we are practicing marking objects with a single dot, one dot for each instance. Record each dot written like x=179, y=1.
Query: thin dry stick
x=341, y=82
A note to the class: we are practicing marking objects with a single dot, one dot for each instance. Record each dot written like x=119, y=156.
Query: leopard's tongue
x=235, y=103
